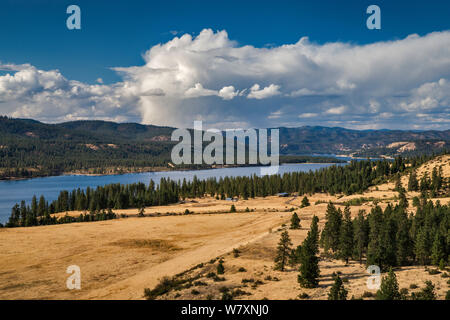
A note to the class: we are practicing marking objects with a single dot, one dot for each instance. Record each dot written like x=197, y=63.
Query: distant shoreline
x=155, y=169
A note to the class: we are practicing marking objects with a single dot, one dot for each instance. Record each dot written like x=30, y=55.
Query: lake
x=12, y=192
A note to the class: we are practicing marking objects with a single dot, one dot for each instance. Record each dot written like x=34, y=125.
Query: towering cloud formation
x=395, y=84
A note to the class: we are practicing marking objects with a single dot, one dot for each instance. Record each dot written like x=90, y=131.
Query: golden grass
x=119, y=258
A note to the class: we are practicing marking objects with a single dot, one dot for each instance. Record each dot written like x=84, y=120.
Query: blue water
x=12, y=192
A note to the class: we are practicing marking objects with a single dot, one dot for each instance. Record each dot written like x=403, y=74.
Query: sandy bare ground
x=118, y=258
x=257, y=260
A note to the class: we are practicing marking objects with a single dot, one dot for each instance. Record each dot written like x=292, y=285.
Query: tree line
x=357, y=176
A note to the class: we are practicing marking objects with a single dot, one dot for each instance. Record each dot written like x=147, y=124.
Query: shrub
x=218, y=279
x=337, y=291
x=368, y=294
x=248, y=280
x=242, y=269
x=426, y=293
x=232, y=208
x=227, y=296
x=239, y=292
x=303, y=295
x=195, y=292
x=413, y=286
x=447, y=295
x=164, y=286
x=236, y=253
x=220, y=268
x=433, y=271
x=404, y=293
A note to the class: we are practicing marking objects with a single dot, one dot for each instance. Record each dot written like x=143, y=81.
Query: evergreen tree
x=337, y=291
x=403, y=239
x=283, y=251
x=374, y=248
x=346, y=236
x=422, y=246
x=438, y=249
x=388, y=240
x=220, y=267
x=426, y=293
x=305, y=202
x=361, y=235
x=413, y=184
x=398, y=183
x=389, y=287
x=41, y=207
x=295, y=221
x=309, y=261
x=232, y=208
x=294, y=257
x=330, y=238
x=403, y=201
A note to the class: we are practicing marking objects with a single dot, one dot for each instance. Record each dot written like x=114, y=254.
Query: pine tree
x=389, y=287
x=220, y=267
x=283, y=251
x=398, y=182
x=337, y=291
x=294, y=257
x=309, y=261
x=388, y=241
x=403, y=201
x=305, y=202
x=403, y=239
x=332, y=229
x=422, y=246
x=295, y=221
x=438, y=249
x=346, y=236
x=426, y=293
x=34, y=206
x=41, y=207
x=374, y=248
x=413, y=184
x=361, y=234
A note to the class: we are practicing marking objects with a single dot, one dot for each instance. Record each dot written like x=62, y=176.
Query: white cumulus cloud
x=212, y=78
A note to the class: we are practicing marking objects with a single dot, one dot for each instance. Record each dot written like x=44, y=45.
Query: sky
x=231, y=64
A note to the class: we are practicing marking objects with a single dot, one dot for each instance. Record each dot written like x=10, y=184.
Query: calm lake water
x=12, y=192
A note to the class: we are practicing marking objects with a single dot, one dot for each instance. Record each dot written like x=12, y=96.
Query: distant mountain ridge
x=300, y=140
x=317, y=139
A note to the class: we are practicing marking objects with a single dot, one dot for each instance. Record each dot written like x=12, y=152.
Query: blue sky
x=118, y=33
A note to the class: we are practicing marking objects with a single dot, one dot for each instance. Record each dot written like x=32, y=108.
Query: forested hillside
x=29, y=148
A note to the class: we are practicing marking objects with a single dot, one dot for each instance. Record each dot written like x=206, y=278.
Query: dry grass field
x=119, y=258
